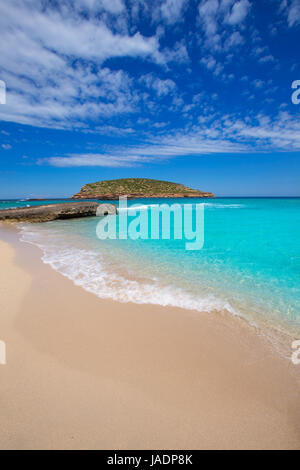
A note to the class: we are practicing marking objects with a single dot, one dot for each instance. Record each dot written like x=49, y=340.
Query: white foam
x=223, y=206
x=206, y=204
x=136, y=208
x=87, y=269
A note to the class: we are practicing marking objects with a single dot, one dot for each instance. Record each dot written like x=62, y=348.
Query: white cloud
x=222, y=135
x=218, y=18
x=90, y=159
x=294, y=13
x=167, y=12
x=208, y=10
x=258, y=83
x=267, y=59
x=171, y=10
x=67, y=34
x=55, y=75
x=51, y=60
x=235, y=39
x=68, y=98
x=161, y=87
x=239, y=12
x=282, y=133
x=6, y=146
x=283, y=5
x=228, y=135
x=113, y=130
x=211, y=64
x=178, y=53
x=291, y=8
x=112, y=6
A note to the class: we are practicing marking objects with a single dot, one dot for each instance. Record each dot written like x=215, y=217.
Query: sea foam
x=87, y=269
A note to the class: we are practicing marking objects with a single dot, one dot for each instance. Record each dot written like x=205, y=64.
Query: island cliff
x=135, y=188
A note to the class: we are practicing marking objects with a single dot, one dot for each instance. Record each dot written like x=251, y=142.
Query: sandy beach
x=86, y=373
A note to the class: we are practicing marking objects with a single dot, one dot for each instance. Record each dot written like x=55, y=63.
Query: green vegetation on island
x=137, y=188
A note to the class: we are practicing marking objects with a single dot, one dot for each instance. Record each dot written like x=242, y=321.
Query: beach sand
x=86, y=373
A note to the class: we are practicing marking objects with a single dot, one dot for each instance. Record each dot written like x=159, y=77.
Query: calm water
x=250, y=263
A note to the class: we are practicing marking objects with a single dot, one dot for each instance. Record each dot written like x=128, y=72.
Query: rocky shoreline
x=48, y=212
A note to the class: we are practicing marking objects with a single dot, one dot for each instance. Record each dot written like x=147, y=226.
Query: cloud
x=211, y=64
x=67, y=34
x=282, y=133
x=171, y=10
x=52, y=61
x=161, y=87
x=226, y=134
x=178, y=53
x=234, y=40
x=69, y=98
x=111, y=6
x=166, y=12
x=90, y=159
x=258, y=83
x=6, y=146
x=238, y=13
x=56, y=75
x=113, y=130
x=218, y=17
x=77, y=65
x=294, y=13
x=291, y=9
x=267, y=59
x=208, y=10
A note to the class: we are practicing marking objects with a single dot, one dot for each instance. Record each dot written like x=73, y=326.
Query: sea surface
x=249, y=265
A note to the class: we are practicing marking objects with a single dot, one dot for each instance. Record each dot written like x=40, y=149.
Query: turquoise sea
x=249, y=265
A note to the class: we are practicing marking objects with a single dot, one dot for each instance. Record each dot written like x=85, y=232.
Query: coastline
x=89, y=373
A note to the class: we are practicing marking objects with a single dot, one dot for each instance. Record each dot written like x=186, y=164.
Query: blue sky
x=192, y=91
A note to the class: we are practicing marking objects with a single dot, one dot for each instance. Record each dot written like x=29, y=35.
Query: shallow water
x=249, y=265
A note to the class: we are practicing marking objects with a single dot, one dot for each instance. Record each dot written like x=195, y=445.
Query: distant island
x=135, y=188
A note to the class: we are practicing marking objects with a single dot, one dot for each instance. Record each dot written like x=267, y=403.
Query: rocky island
x=135, y=188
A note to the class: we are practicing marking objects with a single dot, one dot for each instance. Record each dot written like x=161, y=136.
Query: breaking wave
x=87, y=269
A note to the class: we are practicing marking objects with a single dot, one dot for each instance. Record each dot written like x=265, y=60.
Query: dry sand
x=87, y=373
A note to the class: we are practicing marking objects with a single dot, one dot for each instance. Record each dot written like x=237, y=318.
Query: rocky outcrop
x=106, y=209
x=48, y=212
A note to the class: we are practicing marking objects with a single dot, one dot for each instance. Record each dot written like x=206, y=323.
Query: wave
x=137, y=208
x=224, y=206
x=87, y=269
x=209, y=205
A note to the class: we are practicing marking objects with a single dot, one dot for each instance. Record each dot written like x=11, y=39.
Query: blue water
x=14, y=203
x=249, y=265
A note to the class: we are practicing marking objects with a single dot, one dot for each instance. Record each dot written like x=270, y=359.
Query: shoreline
x=276, y=331
x=83, y=372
